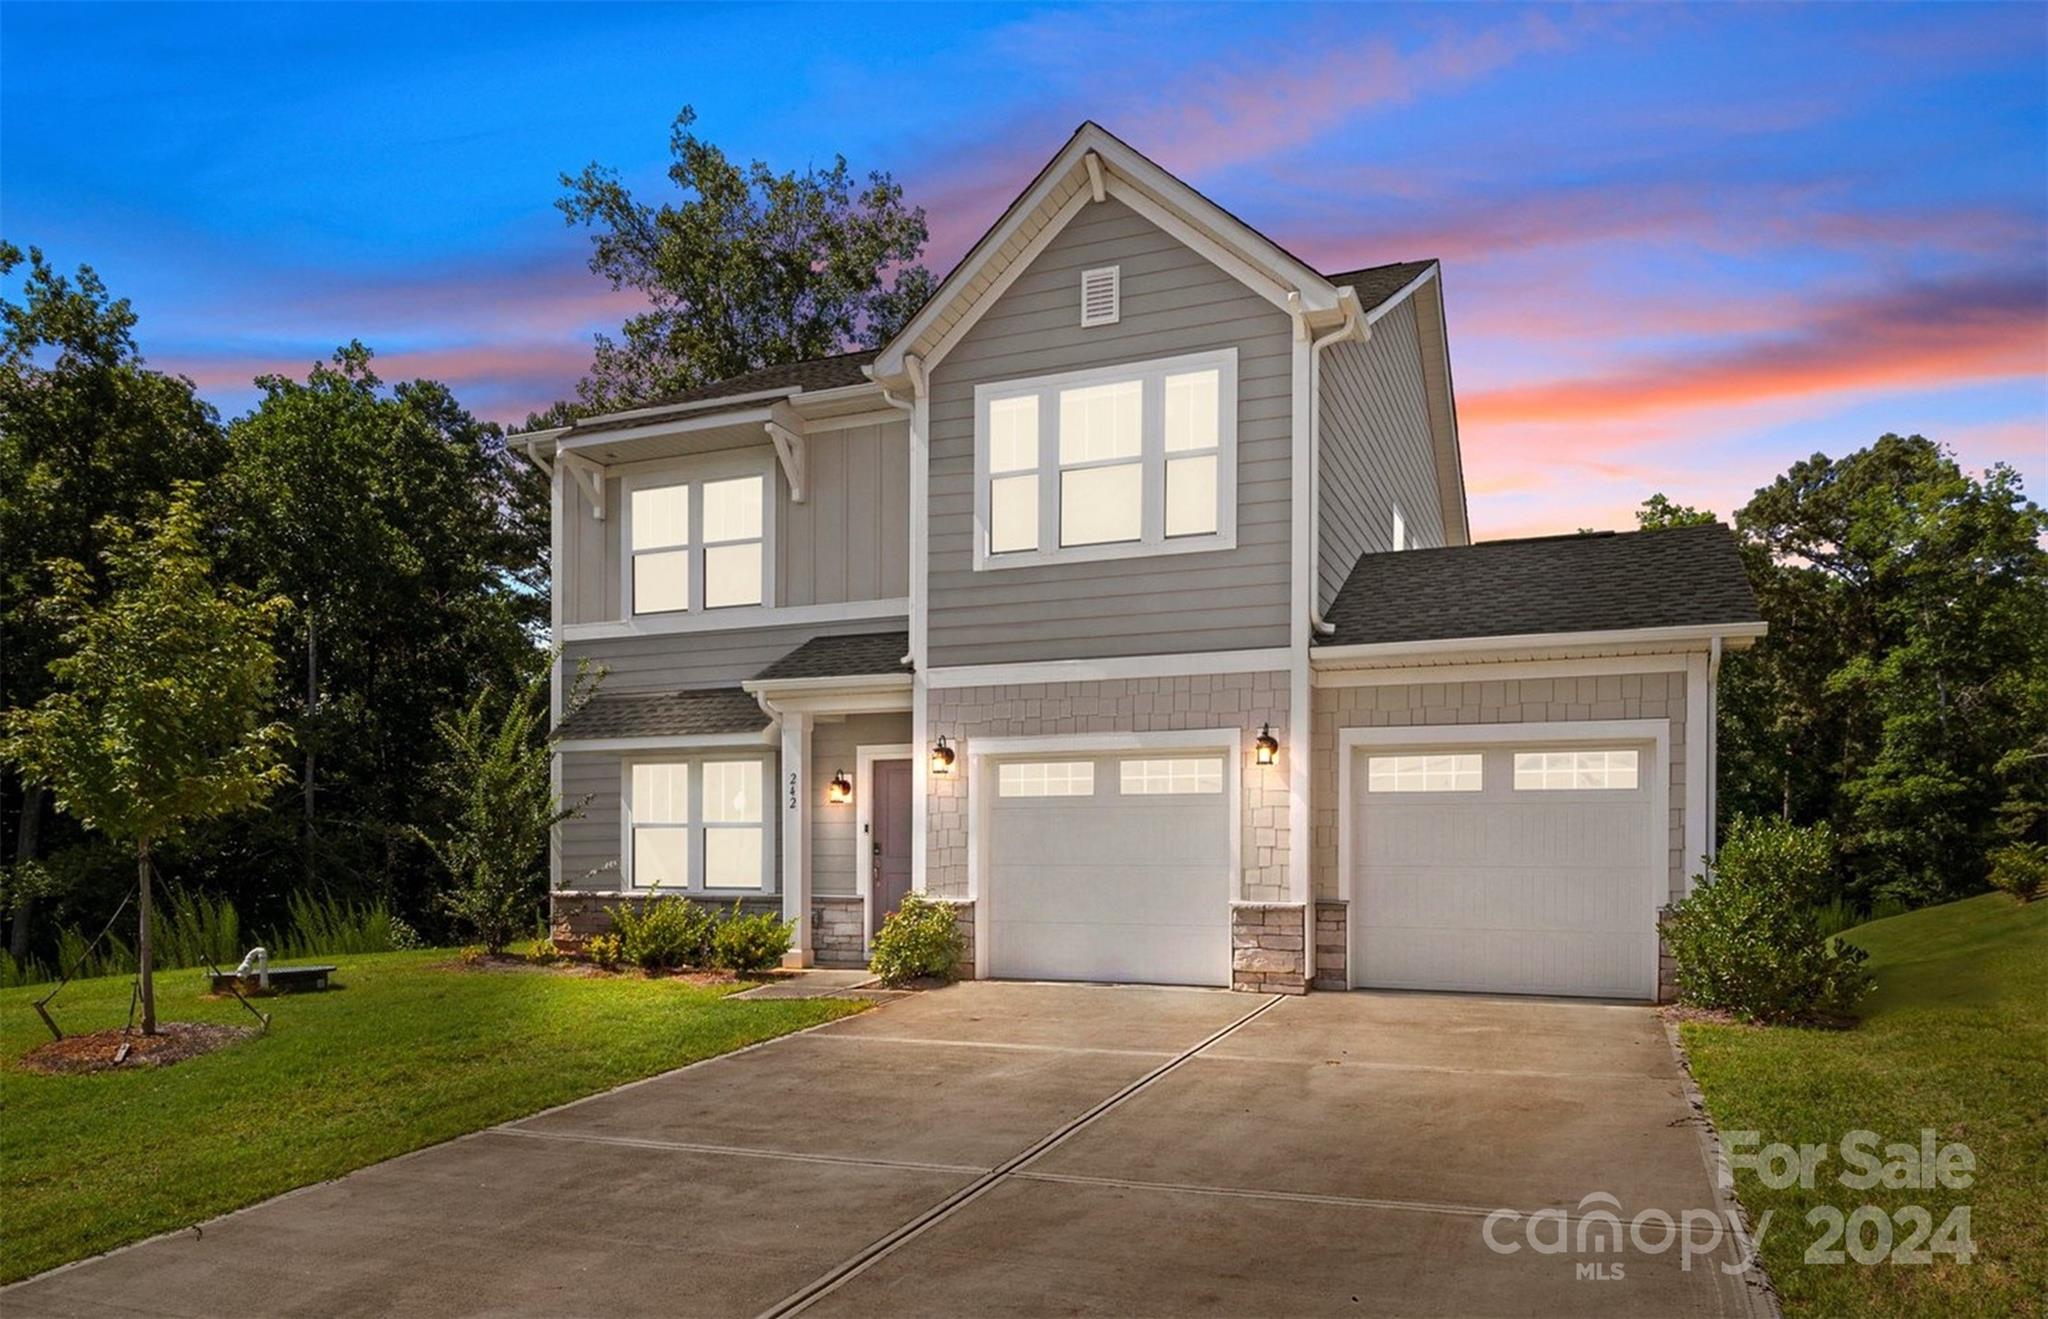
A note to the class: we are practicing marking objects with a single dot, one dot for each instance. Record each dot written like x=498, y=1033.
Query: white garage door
x=1111, y=868
x=1523, y=869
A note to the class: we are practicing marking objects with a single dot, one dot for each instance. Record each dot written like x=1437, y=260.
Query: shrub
x=751, y=943
x=474, y=954
x=2020, y=869
x=1749, y=939
x=544, y=953
x=918, y=939
x=604, y=950
x=663, y=934
x=325, y=926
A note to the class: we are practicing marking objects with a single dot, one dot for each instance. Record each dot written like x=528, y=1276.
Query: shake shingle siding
x=1174, y=302
x=1376, y=449
x=1683, y=576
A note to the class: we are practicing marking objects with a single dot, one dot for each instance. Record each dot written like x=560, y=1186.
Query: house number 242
x=792, y=792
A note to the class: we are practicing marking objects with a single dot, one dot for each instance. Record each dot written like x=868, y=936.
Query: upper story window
x=696, y=541
x=1107, y=463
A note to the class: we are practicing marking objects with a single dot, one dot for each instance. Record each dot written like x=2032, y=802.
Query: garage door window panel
x=1576, y=771
x=1058, y=778
x=1142, y=778
x=1430, y=773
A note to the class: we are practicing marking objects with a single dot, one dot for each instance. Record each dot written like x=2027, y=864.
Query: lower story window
x=697, y=825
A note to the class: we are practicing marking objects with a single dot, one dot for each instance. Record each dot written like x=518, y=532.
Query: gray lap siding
x=1173, y=302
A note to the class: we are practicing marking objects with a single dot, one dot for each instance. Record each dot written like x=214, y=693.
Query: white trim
x=1587, y=666
x=1263, y=266
x=1403, y=294
x=673, y=742
x=847, y=421
x=752, y=418
x=557, y=672
x=1299, y=751
x=694, y=405
x=1190, y=664
x=864, y=757
x=1478, y=646
x=1001, y=283
x=975, y=752
x=1657, y=732
x=694, y=473
x=1698, y=736
x=1152, y=458
x=1270, y=287
x=696, y=758
x=843, y=701
x=736, y=618
x=776, y=688
x=793, y=797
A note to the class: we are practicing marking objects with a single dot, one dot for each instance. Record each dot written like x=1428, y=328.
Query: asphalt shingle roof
x=1603, y=581
x=842, y=657
x=700, y=710
x=1375, y=284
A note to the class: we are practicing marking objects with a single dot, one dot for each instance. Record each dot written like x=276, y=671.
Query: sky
x=1682, y=247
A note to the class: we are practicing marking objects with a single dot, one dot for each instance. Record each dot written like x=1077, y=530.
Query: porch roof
x=861, y=654
x=700, y=711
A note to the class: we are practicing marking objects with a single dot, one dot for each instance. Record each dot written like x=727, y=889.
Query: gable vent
x=1099, y=296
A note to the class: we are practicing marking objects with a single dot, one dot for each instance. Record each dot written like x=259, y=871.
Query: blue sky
x=1683, y=246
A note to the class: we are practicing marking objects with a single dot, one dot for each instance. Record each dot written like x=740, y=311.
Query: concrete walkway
x=1013, y=1149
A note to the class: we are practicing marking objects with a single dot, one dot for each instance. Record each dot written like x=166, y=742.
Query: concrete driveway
x=1013, y=1149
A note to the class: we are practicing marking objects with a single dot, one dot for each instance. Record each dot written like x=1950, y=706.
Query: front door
x=889, y=846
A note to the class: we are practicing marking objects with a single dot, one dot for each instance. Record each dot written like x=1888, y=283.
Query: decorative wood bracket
x=786, y=429
x=589, y=476
x=1095, y=185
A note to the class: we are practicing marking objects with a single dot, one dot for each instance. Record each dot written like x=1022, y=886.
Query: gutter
x=1736, y=635
x=534, y=439
x=1356, y=327
x=908, y=408
x=1713, y=734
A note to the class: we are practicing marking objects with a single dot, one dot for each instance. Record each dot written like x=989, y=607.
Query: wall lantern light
x=1268, y=745
x=942, y=757
x=840, y=790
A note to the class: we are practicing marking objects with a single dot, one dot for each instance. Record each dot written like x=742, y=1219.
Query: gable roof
x=699, y=711
x=1376, y=285
x=1094, y=163
x=859, y=655
x=1597, y=582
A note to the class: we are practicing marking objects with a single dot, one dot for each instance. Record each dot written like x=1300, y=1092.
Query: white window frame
x=695, y=473
x=1152, y=458
x=697, y=826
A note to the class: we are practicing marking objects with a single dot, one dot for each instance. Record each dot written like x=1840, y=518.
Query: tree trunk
x=142, y=943
x=312, y=709
x=27, y=836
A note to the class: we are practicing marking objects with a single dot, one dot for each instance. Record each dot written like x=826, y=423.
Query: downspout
x=907, y=407
x=1354, y=327
x=1713, y=735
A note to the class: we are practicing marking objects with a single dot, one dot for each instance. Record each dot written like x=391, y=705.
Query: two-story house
x=1125, y=600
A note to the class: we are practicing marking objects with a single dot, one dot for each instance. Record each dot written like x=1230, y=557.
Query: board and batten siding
x=1173, y=302
x=848, y=541
x=680, y=660
x=1377, y=450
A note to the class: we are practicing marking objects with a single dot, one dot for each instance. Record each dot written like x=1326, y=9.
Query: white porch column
x=796, y=835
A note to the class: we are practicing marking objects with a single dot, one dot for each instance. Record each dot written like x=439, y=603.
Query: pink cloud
x=1984, y=328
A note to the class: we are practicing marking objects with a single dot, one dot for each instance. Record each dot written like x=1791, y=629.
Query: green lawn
x=406, y=1051
x=1955, y=1038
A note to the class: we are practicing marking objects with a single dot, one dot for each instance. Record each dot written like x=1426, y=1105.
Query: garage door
x=1111, y=868
x=1522, y=869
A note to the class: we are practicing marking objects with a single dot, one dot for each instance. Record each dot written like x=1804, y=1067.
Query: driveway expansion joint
x=830, y=1281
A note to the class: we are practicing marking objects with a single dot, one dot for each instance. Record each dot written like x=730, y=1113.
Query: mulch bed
x=590, y=970
x=174, y=1043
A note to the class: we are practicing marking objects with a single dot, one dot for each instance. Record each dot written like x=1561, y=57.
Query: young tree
x=87, y=432
x=154, y=720
x=750, y=269
x=495, y=846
